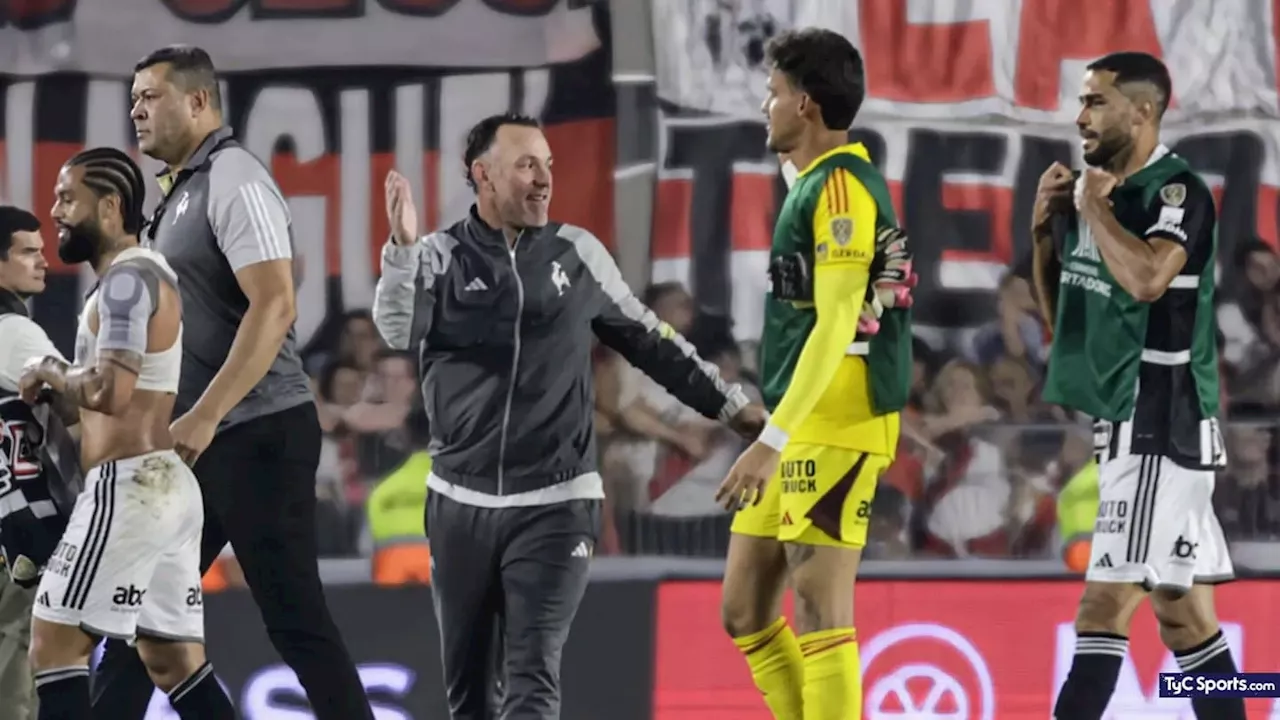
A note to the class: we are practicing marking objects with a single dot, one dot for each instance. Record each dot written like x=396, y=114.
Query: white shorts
x=129, y=562
x=1156, y=525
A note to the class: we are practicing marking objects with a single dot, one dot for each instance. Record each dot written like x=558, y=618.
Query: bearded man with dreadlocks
x=131, y=550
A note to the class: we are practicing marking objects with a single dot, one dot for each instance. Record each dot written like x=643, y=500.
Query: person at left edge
x=31, y=521
x=245, y=414
x=502, y=308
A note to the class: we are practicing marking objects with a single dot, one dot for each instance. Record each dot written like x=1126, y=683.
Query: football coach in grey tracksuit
x=500, y=309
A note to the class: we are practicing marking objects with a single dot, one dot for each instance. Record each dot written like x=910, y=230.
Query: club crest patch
x=842, y=230
x=1173, y=194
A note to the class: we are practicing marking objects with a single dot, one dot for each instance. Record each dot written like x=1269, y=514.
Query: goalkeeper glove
x=892, y=279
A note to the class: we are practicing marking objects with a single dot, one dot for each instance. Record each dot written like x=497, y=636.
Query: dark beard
x=83, y=243
x=1111, y=151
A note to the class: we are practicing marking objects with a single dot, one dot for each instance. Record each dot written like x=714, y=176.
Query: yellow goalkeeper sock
x=832, y=675
x=776, y=664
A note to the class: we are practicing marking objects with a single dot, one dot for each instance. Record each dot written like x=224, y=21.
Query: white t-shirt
x=23, y=340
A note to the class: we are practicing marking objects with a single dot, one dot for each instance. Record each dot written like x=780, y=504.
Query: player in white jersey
x=128, y=564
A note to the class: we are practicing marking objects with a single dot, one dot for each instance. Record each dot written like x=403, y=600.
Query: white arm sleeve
x=23, y=340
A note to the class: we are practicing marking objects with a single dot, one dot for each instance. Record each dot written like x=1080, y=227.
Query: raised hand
x=401, y=210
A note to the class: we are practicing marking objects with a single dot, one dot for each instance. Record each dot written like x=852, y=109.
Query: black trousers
x=507, y=583
x=259, y=484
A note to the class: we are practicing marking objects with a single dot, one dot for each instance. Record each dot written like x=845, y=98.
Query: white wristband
x=774, y=436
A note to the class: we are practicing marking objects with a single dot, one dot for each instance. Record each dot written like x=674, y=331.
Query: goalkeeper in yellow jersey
x=835, y=362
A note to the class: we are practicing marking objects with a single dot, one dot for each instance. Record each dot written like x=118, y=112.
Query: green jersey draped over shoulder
x=1151, y=367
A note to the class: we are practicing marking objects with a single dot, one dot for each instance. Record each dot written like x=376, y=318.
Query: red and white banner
x=960, y=59
x=107, y=38
x=329, y=134
x=953, y=650
x=968, y=102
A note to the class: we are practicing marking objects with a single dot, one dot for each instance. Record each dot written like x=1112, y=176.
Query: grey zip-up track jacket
x=503, y=337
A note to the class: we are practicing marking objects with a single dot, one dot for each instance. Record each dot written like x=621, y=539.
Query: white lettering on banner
x=334, y=193
x=273, y=693
x=1137, y=697
x=954, y=683
x=276, y=34
x=943, y=59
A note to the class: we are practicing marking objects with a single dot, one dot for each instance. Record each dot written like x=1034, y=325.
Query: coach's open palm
x=401, y=210
x=747, y=478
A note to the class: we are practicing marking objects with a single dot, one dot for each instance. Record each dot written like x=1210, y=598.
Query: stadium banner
x=952, y=650
x=967, y=104
x=106, y=38
x=329, y=136
x=392, y=636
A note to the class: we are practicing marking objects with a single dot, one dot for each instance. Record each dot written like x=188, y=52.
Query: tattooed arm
x=127, y=299
x=105, y=387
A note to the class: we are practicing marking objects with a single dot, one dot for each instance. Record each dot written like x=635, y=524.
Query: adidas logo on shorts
x=581, y=551
x=1104, y=561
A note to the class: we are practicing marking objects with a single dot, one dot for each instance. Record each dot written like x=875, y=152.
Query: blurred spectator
x=681, y=487
x=887, y=532
x=353, y=340
x=1015, y=389
x=965, y=498
x=1247, y=498
x=396, y=511
x=958, y=399
x=338, y=389
x=672, y=303
x=658, y=440
x=917, y=455
x=1017, y=332
x=924, y=366
x=378, y=420
x=1250, y=324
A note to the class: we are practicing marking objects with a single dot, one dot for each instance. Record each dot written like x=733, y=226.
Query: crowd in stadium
x=980, y=461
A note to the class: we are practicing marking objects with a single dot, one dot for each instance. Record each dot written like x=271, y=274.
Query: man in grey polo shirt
x=245, y=416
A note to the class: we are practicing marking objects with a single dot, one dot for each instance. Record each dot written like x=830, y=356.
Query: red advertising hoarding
x=952, y=650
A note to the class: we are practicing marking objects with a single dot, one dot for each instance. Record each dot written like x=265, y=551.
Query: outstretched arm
x=630, y=328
